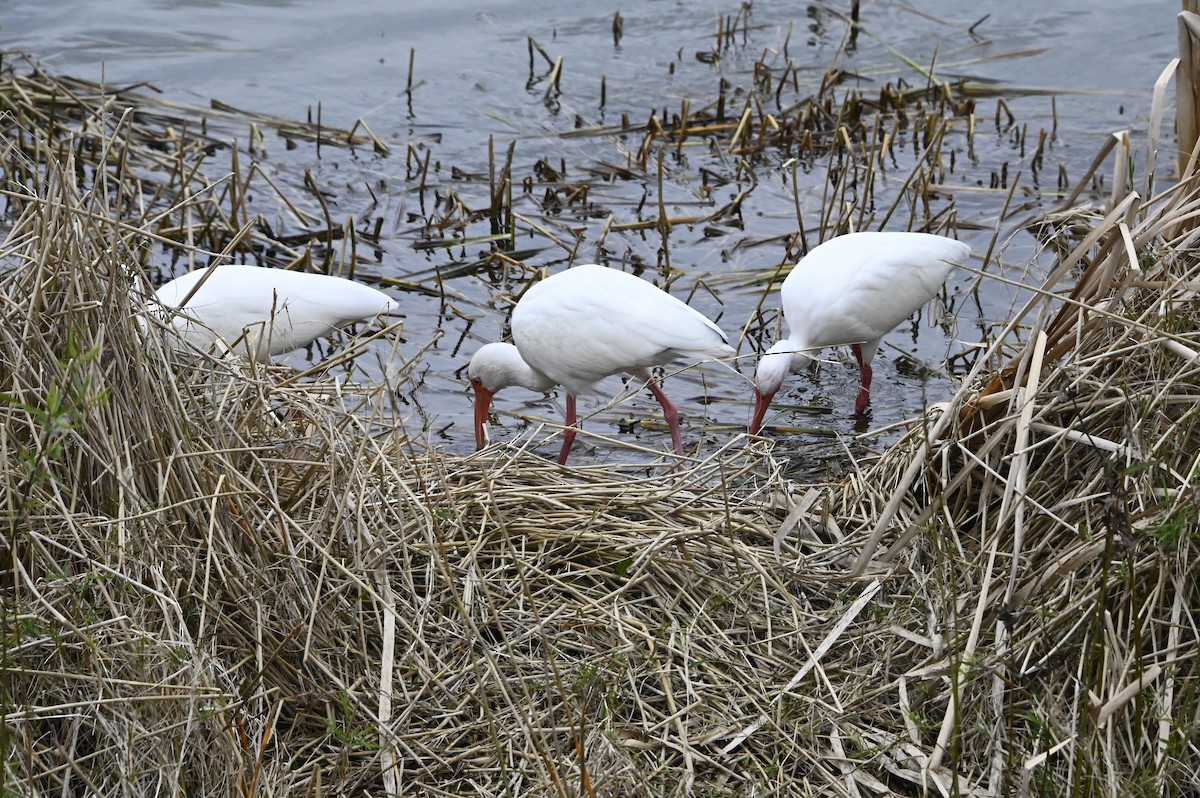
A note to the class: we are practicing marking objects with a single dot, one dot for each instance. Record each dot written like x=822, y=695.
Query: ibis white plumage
x=853, y=290
x=584, y=324
x=261, y=312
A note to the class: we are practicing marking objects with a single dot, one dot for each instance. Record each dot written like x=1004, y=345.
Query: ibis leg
x=864, y=373
x=671, y=415
x=570, y=432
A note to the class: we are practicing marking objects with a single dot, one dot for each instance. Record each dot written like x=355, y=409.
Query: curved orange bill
x=761, y=404
x=483, y=403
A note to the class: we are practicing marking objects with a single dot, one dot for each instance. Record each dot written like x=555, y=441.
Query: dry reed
x=1044, y=523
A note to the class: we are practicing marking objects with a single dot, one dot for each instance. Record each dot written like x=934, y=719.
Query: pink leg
x=864, y=373
x=570, y=432
x=671, y=415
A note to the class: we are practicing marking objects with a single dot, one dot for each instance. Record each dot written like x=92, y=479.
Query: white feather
x=853, y=289
x=264, y=311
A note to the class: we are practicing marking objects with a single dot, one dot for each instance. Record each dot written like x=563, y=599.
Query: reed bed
x=1043, y=525
x=218, y=581
x=223, y=579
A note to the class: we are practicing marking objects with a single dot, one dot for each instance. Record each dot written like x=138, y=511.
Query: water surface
x=1095, y=63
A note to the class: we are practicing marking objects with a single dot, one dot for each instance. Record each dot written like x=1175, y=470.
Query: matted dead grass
x=223, y=580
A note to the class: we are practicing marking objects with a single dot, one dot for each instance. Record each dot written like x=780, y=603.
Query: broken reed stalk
x=663, y=223
x=552, y=87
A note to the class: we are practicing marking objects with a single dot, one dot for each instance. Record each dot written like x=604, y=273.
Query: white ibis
x=853, y=290
x=263, y=312
x=584, y=324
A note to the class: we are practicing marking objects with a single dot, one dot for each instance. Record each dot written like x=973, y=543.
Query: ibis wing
x=298, y=306
x=602, y=322
x=857, y=288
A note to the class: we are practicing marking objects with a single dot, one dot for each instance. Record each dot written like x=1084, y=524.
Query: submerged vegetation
x=221, y=578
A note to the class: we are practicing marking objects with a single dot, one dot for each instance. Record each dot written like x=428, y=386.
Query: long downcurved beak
x=483, y=403
x=761, y=403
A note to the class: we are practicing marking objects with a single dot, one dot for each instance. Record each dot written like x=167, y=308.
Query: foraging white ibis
x=853, y=290
x=261, y=312
x=587, y=323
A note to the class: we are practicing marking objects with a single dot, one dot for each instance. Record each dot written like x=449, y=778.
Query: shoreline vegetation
x=221, y=578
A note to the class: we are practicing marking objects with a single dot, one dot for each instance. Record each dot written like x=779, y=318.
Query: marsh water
x=1080, y=68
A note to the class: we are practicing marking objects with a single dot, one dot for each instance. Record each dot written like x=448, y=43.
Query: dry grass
x=1049, y=529
x=221, y=580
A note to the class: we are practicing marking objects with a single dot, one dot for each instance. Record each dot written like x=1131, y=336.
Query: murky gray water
x=472, y=70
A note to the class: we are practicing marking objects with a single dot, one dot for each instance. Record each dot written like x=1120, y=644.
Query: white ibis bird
x=853, y=290
x=584, y=324
x=261, y=312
